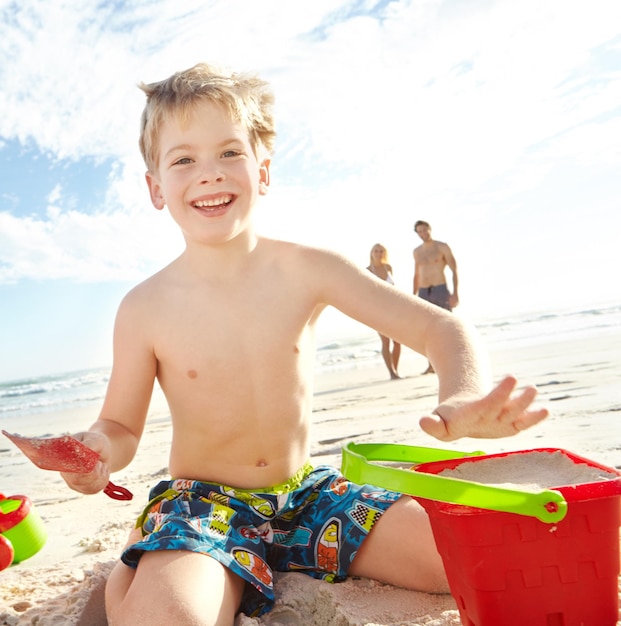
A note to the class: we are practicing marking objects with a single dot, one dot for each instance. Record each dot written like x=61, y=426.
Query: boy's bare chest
x=228, y=329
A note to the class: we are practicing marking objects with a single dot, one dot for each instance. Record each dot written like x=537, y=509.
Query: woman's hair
x=246, y=98
x=384, y=253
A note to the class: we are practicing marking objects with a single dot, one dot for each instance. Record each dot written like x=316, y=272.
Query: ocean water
x=69, y=390
x=56, y=392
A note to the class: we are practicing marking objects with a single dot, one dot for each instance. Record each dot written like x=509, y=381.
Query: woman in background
x=382, y=269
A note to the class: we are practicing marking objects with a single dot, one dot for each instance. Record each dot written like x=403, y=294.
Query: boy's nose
x=211, y=173
x=214, y=177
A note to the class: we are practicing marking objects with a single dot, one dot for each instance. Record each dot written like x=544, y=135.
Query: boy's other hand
x=498, y=414
x=97, y=479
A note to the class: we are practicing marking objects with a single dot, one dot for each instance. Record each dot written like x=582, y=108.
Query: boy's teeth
x=214, y=202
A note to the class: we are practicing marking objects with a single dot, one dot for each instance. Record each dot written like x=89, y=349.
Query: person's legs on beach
x=401, y=550
x=391, y=359
x=173, y=587
x=395, y=354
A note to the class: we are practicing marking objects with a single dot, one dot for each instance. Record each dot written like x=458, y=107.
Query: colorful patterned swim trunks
x=314, y=523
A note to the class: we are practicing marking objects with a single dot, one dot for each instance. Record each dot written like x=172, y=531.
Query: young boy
x=227, y=329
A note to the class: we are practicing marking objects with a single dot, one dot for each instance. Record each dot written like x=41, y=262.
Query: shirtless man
x=430, y=260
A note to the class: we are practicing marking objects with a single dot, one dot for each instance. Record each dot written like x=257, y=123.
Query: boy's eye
x=230, y=153
x=183, y=161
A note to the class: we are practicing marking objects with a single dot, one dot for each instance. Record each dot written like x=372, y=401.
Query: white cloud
x=54, y=196
x=123, y=244
x=431, y=109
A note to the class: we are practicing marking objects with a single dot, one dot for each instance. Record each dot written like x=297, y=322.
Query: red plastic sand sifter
x=512, y=557
x=64, y=454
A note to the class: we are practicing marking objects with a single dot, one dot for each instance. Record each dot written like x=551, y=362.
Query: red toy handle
x=117, y=493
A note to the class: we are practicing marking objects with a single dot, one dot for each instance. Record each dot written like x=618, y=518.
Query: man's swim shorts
x=436, y=294
x=314, y=523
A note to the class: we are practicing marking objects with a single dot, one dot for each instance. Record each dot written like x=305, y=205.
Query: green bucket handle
x=357, y=465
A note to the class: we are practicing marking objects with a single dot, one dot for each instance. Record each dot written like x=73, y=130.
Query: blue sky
x=497, y=121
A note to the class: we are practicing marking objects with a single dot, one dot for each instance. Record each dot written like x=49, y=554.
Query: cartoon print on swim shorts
x=364, y=515
x=328, y=546
x=255, y=565
x=339, y=486
x=256, y=534
x=220, y=520
x=294, y=537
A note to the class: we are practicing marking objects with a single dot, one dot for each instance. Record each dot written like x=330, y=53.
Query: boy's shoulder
x=147, y=290
x=292, y=251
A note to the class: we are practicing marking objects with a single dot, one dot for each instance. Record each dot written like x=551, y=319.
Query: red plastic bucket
x=506, y=569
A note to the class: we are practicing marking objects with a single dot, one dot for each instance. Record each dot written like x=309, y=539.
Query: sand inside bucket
x=529, y=471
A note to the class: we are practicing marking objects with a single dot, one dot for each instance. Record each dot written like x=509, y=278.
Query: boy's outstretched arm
x=116, y=433
x=498, y=414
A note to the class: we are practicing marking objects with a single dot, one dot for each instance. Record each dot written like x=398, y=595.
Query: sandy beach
x=63, y=583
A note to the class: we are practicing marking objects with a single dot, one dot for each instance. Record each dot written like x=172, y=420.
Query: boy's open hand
x=497, y=414
x=96, y=480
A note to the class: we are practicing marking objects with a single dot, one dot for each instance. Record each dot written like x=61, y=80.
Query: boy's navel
x=261, y=463
x=192, y=373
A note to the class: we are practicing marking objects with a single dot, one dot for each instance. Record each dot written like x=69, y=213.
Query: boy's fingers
x=524, y=399
x=497, y=398
x=496, y=415
x=435, y=426
x=517, y=411
x=530, y=418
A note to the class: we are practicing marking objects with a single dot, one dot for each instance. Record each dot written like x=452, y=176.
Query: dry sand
x=63, y=583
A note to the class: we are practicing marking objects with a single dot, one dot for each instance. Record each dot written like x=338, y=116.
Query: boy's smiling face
x=208, y=174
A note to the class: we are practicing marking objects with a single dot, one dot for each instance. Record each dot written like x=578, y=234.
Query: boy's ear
x=264, y=176
x=155, y=191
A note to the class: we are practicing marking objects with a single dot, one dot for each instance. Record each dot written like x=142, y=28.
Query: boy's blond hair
x=246, y=98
